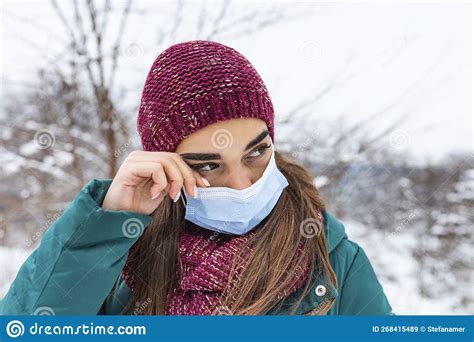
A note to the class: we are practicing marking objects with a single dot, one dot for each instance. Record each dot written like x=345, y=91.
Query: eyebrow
x=216, y=156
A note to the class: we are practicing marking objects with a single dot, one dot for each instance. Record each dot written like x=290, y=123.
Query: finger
x=148, y=170
x=187, y=178
x=173, y=175
x=191, y=178
x=196, y=177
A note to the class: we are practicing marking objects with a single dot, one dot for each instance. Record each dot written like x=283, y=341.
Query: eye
x=206, y=167
x=259, y=151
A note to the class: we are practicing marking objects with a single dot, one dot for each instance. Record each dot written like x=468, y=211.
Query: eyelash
x=262, y=148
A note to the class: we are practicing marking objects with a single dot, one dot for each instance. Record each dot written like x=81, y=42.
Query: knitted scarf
x=206, y=260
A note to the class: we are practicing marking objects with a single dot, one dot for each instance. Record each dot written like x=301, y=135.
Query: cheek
x=258, y=167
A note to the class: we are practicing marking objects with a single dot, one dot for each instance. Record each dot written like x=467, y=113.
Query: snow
x=391, y=257
x=11, y=260
x=29, y=148
x=320, y=181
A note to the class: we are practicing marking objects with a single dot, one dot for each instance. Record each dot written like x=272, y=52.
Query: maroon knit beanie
x=193, y=84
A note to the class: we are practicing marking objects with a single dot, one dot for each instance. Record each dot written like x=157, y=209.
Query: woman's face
x=231, y=153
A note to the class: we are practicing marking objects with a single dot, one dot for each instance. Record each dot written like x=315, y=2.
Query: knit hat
x=196, y=83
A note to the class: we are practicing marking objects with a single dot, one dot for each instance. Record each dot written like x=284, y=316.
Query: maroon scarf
x=206, y=259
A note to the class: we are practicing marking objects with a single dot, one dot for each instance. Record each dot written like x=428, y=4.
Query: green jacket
x=76, y=268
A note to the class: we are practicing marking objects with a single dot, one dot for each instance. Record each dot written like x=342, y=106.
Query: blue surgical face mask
x=231, y=211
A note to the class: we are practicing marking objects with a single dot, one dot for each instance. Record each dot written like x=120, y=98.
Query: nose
x=238, y=179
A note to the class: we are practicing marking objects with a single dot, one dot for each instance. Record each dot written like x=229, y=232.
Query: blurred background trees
x=73, y=119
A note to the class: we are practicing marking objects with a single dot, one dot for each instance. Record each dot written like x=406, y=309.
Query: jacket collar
x=334, y=229
x=321, y=290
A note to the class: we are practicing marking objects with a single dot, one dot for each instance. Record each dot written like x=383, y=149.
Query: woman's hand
x=145, y=178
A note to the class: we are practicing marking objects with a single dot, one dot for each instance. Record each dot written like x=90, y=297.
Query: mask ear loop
x=182, y=197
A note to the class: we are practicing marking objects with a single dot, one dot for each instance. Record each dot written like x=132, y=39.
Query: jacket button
x=320, y=290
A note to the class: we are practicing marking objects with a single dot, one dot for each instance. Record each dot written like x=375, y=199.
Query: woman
x=208, y=219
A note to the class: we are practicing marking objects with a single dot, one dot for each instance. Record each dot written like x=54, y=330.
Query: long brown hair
x=268, y=270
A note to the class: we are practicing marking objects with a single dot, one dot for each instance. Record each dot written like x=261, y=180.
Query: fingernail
x=177, y=197
x=155, y=196
x=195, y=192
x=205, y=181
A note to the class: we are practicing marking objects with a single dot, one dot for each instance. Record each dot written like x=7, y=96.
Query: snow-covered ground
x=397, y=271
x=11, y=260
